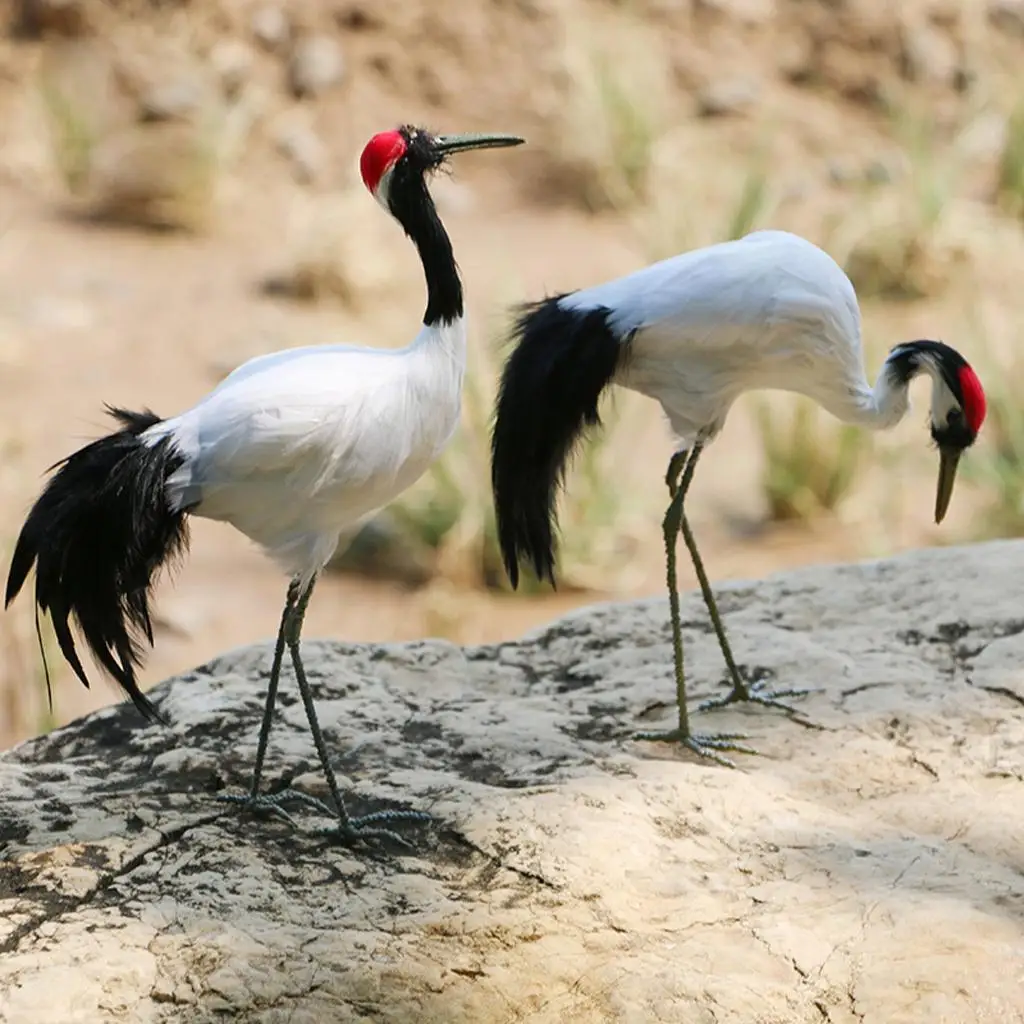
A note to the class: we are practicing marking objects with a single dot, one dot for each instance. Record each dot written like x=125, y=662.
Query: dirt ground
x=93, y=313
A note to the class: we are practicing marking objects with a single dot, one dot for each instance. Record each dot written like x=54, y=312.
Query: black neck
x=413, y=208
x=906, y=361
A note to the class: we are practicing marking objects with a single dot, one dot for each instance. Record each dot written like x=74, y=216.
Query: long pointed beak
x=474, y=140
x=949, y=458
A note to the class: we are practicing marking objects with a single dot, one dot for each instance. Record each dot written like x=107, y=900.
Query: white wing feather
x=765, y=311
x=295, y=447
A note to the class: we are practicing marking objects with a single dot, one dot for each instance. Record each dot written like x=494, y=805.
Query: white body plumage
x=770, y=310
x=292, y=449
x=296, y=448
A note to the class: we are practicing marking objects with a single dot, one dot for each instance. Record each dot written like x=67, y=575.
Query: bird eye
x=954, y=416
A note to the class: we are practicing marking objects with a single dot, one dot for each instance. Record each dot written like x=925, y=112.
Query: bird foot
x=755, y=693
x=348, y=830
x=363, y=829
x=706, y=746
x=270, y=803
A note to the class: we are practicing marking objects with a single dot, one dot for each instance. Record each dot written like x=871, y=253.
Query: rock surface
x=868, y=867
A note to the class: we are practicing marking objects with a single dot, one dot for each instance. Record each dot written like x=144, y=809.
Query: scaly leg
x=271, y=802
x=755, y=693
x=706, y=746
x=349, y=829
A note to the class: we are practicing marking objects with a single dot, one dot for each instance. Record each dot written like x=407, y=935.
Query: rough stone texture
x=869, y=869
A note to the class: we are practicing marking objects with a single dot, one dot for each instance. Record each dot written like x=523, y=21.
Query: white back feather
x=295, y=447
x=770, y=310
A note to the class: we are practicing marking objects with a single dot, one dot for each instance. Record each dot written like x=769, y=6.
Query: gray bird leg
x=348, y=829
x=755, y=693
x=705, y=746
x=288, y=636
x=271, y=802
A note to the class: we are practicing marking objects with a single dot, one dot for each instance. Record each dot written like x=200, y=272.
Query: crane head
x=958, y=411
x=958, y=406
x=407, y=154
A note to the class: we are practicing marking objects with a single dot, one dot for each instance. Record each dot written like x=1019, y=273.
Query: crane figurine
x=770, y=310
x=291, y=448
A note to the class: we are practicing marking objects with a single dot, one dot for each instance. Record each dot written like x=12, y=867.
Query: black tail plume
x=550, y=386
x=97, y=536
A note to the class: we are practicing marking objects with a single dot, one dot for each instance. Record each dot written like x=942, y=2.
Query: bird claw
x=755, y=693
x=707, y=747
x=270, y=803
x=356, y=830
x=351, y=830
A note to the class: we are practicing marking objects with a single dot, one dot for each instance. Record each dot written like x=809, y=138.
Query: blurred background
x=179, y=192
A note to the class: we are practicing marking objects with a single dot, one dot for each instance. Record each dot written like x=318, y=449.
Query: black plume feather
x=548, y=396
x=97, y=536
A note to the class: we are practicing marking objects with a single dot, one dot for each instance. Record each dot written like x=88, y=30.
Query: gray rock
x=316, y=65
x=863, y=869
x=795, y=58
x=270, y=27
x=985, y=137
x=296, y=140
x=171, y=100
x=750, y=12
x=727, y=96
x=232, y=61
x=842, y=172
x=1007, y=16
x=877, y=172
x=929, y=55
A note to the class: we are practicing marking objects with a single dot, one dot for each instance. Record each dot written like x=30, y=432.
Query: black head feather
x=913, y=357
x=410, y=203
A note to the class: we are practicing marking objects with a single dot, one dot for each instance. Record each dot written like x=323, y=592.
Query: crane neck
x=414, y=209
x=884, y=405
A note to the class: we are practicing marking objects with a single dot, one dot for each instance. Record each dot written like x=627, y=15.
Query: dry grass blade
x=997, y=463
x=76, y=90
x=1010, y=181
x=751, y=203
x=24, y=700
x=894, y=247
x=120, y=158
x=809, y=466
x=338, y=248
x=602, y=148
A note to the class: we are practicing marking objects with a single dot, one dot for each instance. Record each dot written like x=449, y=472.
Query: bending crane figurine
x=694, y=332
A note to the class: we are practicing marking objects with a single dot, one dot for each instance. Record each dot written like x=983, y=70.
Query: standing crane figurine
x=292, y=449
x=695, y=331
